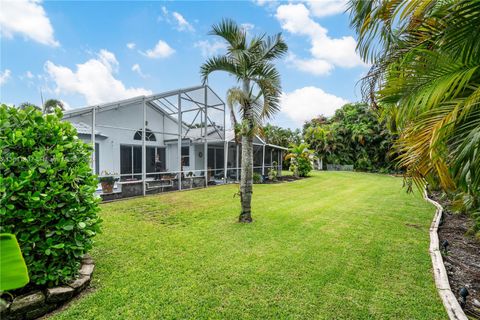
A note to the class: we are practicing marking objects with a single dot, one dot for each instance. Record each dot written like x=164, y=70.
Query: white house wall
x=130, y=116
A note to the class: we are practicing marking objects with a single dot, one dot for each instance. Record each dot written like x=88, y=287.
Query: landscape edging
x=37, y=303
x=450, y=302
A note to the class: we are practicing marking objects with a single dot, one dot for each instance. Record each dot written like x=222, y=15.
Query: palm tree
x=51, y=104
x=258, y=94
x=425, y=79
x=301, y=159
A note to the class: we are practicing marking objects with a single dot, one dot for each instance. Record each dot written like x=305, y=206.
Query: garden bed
x=462, y=260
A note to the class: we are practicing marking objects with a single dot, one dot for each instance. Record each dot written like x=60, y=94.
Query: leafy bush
x=301, y=159
x=47, y=192
x=257, y=178
x=272, y=172
x=355, y=135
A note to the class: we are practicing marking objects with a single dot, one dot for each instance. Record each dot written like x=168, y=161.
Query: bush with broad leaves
x=47, y=192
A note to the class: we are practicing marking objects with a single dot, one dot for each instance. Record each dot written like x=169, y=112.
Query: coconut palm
x=425, y=78
x=257, y=95
x=51, y=104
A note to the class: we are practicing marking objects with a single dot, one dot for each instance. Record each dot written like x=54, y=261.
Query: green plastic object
x=13, y=271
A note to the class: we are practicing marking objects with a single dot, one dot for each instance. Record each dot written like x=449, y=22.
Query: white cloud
x=295, y=18
x=29, y=75
x=93, y=79
x=305, y=103
x=136, y=68
x=176, y=19
x=210, y=48
x=182, y=23
x=28, y=18
x=324, y=8
x=131, y=45
x=247, y=26
x=314, y=66
x=268, y=3
x=161, y=50
x=4, y=76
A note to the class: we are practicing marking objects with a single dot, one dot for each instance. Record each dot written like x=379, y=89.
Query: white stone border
x=441, y=278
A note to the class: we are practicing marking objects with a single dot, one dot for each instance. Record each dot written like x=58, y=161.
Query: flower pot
x=107, y=187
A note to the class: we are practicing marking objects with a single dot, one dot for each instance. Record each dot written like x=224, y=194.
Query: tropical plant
x=257, y=178
x=50, y=105
x=14, y=273
x=425, y=79
x=301, y=159
x=257, y=98
x=272, y=172
x=108, y=177
x=280, y=136
x=353, y=136
x=47, y=192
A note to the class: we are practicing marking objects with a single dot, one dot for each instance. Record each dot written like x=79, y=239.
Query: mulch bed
x=462, y=260
x=284, y=179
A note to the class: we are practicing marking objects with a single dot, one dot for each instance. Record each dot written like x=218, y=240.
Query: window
x=186, y=156
x=131, y=160
x=150, y=136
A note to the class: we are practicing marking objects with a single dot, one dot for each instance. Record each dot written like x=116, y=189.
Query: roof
x=230, y=136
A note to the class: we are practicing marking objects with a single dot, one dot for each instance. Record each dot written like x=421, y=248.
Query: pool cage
x=170, y=141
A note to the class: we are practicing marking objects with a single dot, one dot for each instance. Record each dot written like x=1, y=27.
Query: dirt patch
x=462, y=259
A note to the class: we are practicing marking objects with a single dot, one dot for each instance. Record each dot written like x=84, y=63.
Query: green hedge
x=47, y=192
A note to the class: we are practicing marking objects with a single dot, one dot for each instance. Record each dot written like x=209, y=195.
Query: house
x=185, y=144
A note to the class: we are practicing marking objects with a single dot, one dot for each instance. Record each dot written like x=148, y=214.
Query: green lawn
x=338, y=245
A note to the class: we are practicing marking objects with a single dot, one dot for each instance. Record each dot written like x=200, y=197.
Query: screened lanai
x=185, y=144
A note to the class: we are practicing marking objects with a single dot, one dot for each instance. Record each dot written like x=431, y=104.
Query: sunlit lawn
x=338, y=245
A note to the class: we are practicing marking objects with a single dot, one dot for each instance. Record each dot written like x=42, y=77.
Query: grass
x=338, y=245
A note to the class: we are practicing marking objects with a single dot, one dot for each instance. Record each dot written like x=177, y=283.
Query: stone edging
x=35, y=304
x=441, y=279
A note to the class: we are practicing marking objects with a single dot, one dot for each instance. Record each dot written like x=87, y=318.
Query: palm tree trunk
x=246, y=179
x=246, y=176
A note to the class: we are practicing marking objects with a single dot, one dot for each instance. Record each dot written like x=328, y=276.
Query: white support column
x=280, y=162
x=263, y=160
x=179, y=141
x=237, y=157
x=93, y=142
x=144, y=152
x=225, y=160
x=205, y=143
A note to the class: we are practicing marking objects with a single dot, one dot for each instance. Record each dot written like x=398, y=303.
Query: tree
x=301, y=159
x=425, y=79
x=258, y=95
x=354, y=135
x=280, y=136
x=51, y=104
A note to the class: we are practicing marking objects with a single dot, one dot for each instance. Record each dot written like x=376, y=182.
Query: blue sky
x=91, y=52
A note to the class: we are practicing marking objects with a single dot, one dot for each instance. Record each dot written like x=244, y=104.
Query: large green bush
x=47, y=192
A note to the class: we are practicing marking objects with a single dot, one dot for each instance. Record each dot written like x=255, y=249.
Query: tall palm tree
x=258, y=94
x=425, y=78
x=51, y=104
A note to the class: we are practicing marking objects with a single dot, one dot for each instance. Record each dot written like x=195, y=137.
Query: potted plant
x=107, y=179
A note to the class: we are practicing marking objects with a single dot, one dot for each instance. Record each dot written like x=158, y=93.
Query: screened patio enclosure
x=185, y=144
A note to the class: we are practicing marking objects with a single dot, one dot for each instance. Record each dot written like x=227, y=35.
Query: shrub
x=272, y=172
x=47, y=192
x=301, y=159
x=257, y=178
